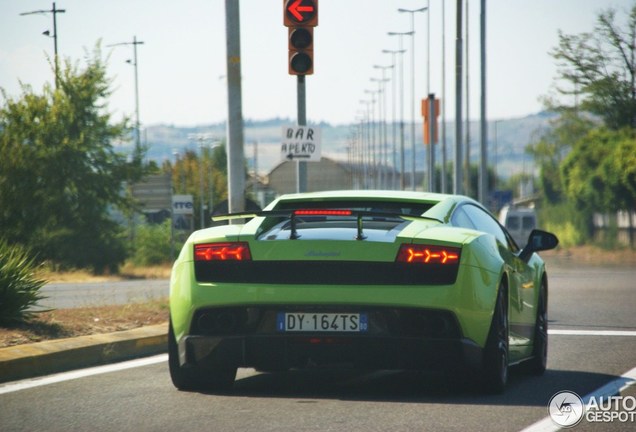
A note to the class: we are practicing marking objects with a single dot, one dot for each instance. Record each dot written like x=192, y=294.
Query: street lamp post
x=359, y=162
x=394, y=184
x=202, y=138
x=496, y=154
x=382, y=145
x=385, y=152
x=443, y=101
x=374, y=129
x=364, y=144
x=54, y=11
x=201, y=183
x=412, y=32
x=134, y=43
x=400, y=36
x=367, y=158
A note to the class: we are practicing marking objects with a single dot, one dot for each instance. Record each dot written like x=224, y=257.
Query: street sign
x=182, y=212
x=300, y=143
x=182, y=205
x=154, y=193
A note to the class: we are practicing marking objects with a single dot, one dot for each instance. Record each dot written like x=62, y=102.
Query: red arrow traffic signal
x=300, y=12
x=296, y=9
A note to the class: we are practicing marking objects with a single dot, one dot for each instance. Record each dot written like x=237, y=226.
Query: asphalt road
x=72, y=295
x=593, y=341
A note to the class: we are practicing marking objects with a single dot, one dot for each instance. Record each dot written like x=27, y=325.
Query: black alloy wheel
x=495, y=375
x=537, y=365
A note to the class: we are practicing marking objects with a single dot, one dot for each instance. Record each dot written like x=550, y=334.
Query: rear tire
x=196, y=378
x=495, y=367
x=537, y=365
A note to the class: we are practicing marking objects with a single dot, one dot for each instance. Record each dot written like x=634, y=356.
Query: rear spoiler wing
x=293, y=214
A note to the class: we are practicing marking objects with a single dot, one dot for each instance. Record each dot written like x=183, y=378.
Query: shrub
x=19, y=287
x=567, y=233
x=568, y=223
x=152, y=245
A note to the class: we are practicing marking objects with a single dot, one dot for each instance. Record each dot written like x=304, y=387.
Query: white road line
x=66, y=376
x=592, y=332
x=612, y=388
x=81, y=373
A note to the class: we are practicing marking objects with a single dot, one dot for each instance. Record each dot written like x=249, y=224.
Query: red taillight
x=231, y=251
x=321, y=212
x=426, y=254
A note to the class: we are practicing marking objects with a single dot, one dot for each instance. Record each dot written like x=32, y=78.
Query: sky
x=182, y=61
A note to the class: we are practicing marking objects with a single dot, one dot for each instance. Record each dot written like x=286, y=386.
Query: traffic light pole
x=301, y=172
x=300, y=17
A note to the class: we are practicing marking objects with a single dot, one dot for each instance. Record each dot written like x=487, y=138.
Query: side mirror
x=538, y=241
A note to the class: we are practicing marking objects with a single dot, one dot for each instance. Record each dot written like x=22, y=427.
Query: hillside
x=507, y=140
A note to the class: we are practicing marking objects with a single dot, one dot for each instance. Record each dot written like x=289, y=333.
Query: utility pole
x=483, y=166
x=54, y=11
x=134, y=43
x=467, y=185
x=137, y=123
x=457, y=187
x=443, y=101
x=235, y=152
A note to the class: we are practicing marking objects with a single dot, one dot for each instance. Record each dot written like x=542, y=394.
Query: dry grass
x=64, y=323
x=125, y=273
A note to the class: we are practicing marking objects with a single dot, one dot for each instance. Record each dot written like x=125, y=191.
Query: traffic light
x=300, y=16
x=301, y=50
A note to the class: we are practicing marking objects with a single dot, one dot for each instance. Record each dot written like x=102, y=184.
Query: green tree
x=552, y=147
x=599, y=67
x=619, y=171
x=152, y=244
x=60, y=176
x=186, y=177
x=599, y=175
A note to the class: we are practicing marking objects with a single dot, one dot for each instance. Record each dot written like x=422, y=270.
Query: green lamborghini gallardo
x=370, y=279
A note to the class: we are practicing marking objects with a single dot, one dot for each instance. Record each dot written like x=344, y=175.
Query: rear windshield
x=376, y=227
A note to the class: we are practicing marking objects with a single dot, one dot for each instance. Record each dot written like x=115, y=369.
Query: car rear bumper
x=281, y=352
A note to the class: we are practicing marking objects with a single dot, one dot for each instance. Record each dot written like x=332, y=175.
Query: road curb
x=42, y=358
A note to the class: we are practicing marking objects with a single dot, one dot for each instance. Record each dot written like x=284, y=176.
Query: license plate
x=321, y=322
